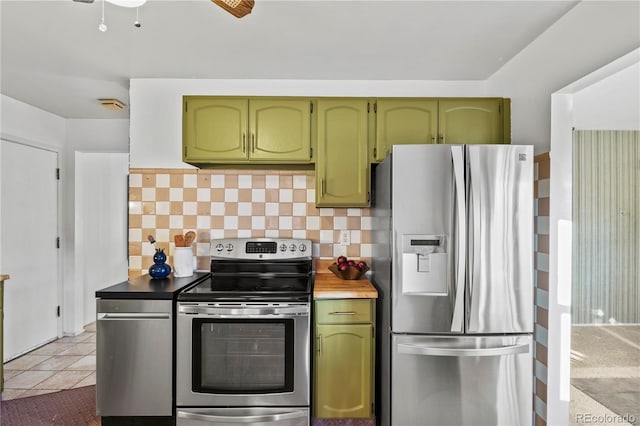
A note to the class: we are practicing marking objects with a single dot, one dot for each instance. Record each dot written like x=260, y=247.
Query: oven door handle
x=266, y=418
x=243, y=311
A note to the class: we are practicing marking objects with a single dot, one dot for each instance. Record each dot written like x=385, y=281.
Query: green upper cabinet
x=445, y=120
x=280, y=129
x=404, y=121
x=241, y=130
x=470, y=121
x=342, y=164
x=214, y=129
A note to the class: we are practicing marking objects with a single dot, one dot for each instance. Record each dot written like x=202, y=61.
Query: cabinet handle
x=319, y=338
x=322, y=187
x=342, y=313
x=434, y=139
x=442, y=138
x=244, y=142
x=253, y=142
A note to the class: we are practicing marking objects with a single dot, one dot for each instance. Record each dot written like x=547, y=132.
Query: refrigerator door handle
x=440, y=351
x=474, y=243
x=457, y=321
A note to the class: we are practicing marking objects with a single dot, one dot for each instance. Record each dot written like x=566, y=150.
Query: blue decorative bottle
x=159, y=269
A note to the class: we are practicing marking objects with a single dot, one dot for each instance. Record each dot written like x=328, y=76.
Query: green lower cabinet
x=344, y=359
x=343, y=362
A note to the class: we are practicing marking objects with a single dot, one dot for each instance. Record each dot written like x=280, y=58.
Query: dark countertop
x=145, y=287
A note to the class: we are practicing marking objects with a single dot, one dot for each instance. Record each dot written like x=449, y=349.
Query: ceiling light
x=112, y=104
x=128, y=3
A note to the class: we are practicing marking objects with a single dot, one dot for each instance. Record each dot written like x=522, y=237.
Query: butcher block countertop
x=328, y=286
x=4, y=277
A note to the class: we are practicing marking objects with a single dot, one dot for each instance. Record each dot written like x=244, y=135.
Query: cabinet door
x=470, y=121
x=344, y=369
x=280, y=130
x=404, y=121
x=342, y=167
x=214, y=129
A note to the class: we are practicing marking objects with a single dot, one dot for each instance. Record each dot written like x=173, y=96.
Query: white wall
x=101, y=234
x=612, y=103
x=589, y=36
x=579, y=105
x=88, y=136
x=30, y=124
x=24, y=123
x=156, y=105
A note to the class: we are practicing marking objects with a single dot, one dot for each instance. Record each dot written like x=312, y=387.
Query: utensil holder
x=183, y=262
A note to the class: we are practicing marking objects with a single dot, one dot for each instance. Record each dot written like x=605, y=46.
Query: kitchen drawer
x=344, y=311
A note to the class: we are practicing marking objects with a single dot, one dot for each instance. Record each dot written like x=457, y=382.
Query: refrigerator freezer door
x=467, y=380
x=423, y=289
x=499, y=294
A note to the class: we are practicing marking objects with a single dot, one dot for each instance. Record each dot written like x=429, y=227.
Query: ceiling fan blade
x=237, y=8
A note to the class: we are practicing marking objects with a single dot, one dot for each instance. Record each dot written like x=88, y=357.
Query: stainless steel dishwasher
x=134, y=357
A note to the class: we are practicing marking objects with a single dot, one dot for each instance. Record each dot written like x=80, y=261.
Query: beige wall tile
x=226, y=203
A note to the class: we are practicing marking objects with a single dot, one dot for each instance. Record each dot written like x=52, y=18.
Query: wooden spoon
x=179, y=240
x=189, y=237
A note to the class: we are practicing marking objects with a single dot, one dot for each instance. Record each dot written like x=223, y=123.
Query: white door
x=101, y=224
x=29, y=190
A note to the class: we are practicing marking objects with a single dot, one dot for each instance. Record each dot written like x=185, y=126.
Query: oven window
x=232, y=356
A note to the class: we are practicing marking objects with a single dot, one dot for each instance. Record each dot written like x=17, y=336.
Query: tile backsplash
x=229, y=203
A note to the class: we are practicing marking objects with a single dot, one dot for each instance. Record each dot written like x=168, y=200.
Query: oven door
x=242, y=354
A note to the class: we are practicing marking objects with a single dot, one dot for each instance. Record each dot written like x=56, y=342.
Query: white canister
x=183, y=262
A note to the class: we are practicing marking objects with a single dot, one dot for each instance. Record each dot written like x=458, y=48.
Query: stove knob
x=302, y=248
x=219, y=247
x=283, y=247
x=292, y=247
x=229, y=247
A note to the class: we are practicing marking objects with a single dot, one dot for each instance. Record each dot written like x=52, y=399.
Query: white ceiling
x=54, y=57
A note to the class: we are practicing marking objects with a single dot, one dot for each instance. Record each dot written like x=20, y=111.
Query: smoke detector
x=112, y=104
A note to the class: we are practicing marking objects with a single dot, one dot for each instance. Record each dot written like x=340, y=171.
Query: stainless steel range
x=243, y=336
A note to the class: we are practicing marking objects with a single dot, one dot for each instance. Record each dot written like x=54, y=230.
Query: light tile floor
x=68, y=362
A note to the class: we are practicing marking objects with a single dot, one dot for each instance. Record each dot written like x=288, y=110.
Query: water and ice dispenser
x=424, y=265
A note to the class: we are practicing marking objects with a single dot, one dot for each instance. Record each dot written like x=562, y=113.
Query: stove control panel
x=260, y=248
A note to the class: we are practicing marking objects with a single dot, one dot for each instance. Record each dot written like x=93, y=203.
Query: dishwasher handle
x=133, y=315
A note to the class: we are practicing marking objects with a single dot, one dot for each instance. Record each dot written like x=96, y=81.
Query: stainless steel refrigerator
x=453, y=263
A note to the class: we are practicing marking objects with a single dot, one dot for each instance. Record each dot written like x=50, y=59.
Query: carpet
x=72, y=407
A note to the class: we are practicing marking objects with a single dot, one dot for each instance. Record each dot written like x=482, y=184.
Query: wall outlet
x=345, y=238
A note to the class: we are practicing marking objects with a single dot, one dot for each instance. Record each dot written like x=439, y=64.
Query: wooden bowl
x=352, y=273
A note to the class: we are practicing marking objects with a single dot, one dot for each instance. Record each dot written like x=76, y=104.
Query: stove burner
x=243, y=276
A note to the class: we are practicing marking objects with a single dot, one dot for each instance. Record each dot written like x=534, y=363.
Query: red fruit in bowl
x=362, y=265
x=342, y=259
x=343, y=266
x=351, y=262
